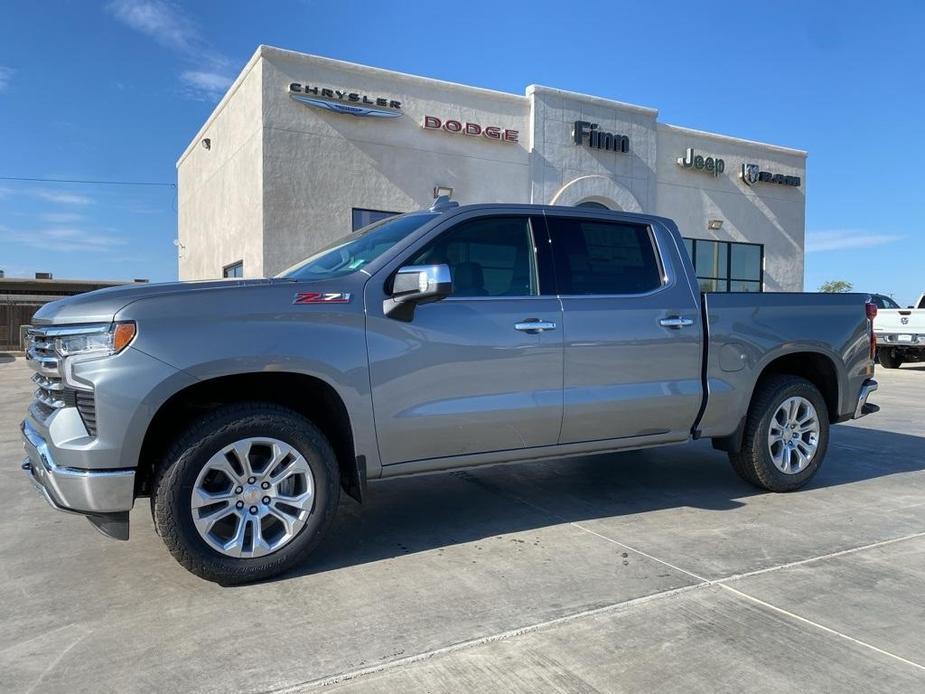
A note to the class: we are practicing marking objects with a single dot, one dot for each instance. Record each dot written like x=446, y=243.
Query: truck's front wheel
x=786, y=434
x=246, y=492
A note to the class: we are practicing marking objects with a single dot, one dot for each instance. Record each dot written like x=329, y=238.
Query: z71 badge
x=321, y=298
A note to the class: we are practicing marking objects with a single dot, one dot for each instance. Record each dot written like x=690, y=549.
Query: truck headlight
x=102, y=339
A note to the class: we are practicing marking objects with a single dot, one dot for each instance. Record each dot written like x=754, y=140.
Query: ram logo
x=904, y=320
x=750, y=173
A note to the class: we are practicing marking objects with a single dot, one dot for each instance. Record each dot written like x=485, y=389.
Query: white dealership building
x=304, y=149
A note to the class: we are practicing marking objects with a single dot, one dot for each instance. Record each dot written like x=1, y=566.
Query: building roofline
x=735, y=140
x=264, y=50
x=273, y=51
x=219, y=107
x=334, y=62
x=599, y=100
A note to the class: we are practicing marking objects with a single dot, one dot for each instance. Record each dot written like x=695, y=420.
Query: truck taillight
x=871, y=310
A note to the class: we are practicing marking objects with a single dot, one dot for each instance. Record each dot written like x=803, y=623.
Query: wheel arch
x=815, y=366
x=313, y=397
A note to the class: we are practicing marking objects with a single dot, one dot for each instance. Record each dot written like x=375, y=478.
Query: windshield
x=352, y=252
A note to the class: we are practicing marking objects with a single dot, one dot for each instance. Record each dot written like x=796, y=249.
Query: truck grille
x=51, y=393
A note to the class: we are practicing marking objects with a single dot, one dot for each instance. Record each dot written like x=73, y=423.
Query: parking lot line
x=482, y=640
x=830, y=555
x=645, y=554
x=723, y=583
x=703, y=583
x=817, y=625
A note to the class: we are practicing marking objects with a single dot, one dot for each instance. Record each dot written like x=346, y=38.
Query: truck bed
x=746, y=332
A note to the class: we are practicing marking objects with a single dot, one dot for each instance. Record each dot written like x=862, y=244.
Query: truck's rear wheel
x=786, y=434
x=246, y=492
x=889, y=358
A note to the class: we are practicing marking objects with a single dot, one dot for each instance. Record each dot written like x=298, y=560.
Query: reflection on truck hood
x=101, y=305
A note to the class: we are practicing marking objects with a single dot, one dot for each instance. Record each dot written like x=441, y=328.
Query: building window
x=234, y=270
x=363, y=218
x=725, y=266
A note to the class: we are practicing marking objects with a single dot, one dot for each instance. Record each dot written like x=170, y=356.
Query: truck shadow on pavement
x=414, y=514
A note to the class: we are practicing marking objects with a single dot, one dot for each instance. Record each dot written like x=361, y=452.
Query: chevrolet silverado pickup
x=900, y=334
x=450, y=337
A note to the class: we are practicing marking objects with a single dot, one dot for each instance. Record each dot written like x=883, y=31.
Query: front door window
x=487, y=257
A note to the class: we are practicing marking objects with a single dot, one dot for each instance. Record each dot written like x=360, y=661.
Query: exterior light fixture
x=442, y=190
x=715, y=224
x=206, y=143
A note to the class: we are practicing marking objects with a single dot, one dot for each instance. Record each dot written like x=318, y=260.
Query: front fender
x=212, y=334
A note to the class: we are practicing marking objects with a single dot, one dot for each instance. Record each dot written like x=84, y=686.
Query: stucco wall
x=766, y=213
x=560, y=169
x=220, y=201
x=319, y=165
x=282, y=177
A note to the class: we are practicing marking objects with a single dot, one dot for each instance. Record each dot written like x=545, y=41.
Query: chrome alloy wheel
x=252, y=497
x=793, y=435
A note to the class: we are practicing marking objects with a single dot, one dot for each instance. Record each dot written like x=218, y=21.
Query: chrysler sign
x=343, y=101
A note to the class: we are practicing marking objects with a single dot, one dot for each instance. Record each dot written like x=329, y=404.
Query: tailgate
x=904, y=320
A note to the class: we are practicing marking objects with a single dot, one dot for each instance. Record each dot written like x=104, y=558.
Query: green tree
x=836, y=287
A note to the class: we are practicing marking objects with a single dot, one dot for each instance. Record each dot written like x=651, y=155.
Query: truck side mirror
x=417, y=284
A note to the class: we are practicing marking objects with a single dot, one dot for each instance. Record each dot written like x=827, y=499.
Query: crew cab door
x=632, y=330
x=468, y=374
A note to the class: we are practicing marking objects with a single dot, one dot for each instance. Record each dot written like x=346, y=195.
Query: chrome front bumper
x=72, y=489
x=864, y=407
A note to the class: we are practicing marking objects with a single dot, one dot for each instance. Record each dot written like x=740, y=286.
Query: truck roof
x=443, y=204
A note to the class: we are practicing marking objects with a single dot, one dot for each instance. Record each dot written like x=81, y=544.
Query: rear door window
x=601, y=257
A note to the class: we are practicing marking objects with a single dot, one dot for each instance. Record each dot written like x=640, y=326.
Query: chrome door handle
x=534, y=326
x=676, y=322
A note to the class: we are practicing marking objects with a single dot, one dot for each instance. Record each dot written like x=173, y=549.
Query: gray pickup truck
x=451, y=337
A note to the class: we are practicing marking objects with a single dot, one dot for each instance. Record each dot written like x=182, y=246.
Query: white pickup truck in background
x=900, y=334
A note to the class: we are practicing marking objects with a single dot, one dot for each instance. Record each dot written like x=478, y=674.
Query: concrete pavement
x=647, y=570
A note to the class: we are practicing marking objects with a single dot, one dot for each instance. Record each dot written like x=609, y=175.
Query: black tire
x=753, y=462
x=174, y=481
x=888, y=358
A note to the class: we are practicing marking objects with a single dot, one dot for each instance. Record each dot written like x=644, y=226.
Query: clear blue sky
x=115, y=91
